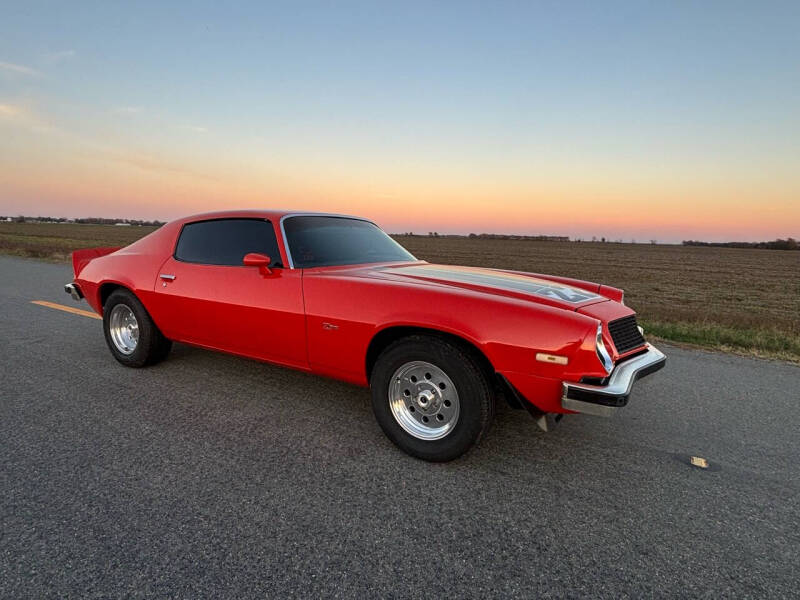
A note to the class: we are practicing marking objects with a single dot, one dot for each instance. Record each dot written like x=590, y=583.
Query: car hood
x=534, y=288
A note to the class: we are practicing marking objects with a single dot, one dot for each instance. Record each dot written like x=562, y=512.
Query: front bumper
x=604, y=400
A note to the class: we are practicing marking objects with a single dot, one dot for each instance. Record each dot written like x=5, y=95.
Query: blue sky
x=414, y=104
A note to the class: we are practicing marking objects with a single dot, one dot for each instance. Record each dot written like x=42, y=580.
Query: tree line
x=83, y=221
x=779, y=244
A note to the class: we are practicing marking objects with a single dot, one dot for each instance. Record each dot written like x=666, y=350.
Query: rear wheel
x=431, y=397
x=131, y=335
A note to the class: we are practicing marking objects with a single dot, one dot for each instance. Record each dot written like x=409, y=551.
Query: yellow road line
x=69, y=309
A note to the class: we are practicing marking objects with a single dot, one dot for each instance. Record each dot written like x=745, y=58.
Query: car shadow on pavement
x=337, y=417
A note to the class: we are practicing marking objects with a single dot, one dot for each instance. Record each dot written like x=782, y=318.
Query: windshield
x=318, y=241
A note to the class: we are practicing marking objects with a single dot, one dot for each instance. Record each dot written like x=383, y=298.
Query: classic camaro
x=335, y=295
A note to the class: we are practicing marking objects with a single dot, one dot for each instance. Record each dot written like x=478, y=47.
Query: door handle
x=166, y=277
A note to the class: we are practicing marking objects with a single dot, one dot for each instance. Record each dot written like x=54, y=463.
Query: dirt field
x=56, y=241
x=741, y=299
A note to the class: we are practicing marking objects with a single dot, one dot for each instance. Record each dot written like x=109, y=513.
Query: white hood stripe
x=504, y=281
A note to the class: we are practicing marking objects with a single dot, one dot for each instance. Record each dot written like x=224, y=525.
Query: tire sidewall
x=473, y=396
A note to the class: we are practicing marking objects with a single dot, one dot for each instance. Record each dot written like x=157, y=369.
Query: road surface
x=211, y=475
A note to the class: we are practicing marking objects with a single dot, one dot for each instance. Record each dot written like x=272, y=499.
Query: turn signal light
x=552, y=358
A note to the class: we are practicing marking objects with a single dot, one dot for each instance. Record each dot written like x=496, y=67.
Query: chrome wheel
x=124, y=329
x=423, y=400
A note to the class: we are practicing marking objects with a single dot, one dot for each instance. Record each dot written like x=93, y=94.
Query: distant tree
x=779, y=244
x=603, y=240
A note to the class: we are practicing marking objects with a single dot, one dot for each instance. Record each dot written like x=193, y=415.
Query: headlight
x=602, y=353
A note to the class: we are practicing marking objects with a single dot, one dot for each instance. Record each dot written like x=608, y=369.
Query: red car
x=335, y=295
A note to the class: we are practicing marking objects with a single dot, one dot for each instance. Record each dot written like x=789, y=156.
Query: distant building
x=123, y=224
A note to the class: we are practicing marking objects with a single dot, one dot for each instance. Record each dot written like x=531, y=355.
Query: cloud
x=153, y=164
x=9, y=111
x=60, y=56
x=127, y=110
x=21, y=116
x=197, y=129
x=21, y=69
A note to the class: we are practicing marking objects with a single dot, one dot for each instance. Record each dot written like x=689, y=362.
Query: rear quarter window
x=226, y=241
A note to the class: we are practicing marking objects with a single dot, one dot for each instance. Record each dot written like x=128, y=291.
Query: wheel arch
x=107, y=288
x=387, y=336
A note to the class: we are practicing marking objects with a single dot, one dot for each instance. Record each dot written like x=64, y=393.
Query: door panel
x=234, y=308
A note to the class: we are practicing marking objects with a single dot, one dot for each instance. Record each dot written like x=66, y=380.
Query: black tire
x=152, y=347
x=475, y=397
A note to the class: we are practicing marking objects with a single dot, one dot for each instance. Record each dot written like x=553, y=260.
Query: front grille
x=625, y=334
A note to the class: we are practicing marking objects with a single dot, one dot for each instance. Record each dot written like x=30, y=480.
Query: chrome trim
x=602, y=353
x=619, y=383
x=167, y=277
x=587, y=408
x=73, y=290
x=312, y=214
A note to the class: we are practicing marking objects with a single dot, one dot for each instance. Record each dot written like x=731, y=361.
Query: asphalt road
x=210, y=475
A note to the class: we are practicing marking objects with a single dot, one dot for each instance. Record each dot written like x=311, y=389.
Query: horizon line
x=431, y=233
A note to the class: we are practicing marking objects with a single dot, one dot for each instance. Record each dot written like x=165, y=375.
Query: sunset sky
x=645, y=120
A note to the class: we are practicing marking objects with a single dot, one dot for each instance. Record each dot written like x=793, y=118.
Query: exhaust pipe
x=73, y=290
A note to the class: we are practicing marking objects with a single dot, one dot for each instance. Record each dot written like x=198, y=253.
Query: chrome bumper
x=604, y=400
x=73, y=290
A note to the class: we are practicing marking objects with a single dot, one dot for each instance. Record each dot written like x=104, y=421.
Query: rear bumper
x=604, y=400
x=74, y=290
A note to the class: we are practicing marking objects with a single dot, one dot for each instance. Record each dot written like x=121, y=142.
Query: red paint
x=323, y=319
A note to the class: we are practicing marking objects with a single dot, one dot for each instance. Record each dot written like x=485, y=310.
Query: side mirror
x=262, y=261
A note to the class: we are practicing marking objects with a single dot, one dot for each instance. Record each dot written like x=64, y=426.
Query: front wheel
x=431, y=397
x=131, y=334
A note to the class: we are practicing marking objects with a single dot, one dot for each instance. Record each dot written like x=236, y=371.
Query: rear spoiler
x=81, y=258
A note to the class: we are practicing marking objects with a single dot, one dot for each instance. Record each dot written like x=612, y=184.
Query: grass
x=765, y=342
x=733, y=299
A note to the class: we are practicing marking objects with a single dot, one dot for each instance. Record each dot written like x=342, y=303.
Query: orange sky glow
x=49, y=173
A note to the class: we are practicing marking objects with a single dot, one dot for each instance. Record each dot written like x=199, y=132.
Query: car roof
x=270, y=214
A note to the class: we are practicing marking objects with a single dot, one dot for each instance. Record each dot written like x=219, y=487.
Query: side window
x=226, y=241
